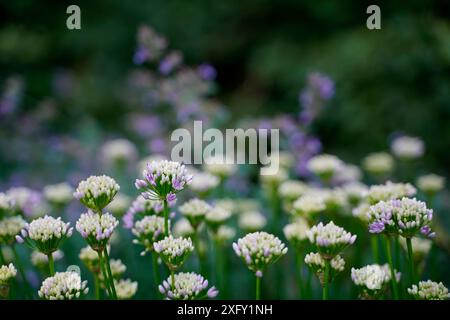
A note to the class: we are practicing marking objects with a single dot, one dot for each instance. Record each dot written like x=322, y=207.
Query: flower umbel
x=147, y=231
x=258, y=250
x=96, y=229
x=96, y=192
x=63, y=286
x=429, y=290
x=45, y=234
x=187, y=286
x=174, y=251
x=330, y=239
x=317, y=264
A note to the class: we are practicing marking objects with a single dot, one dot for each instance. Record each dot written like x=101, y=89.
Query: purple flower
x=171, y=199
x=207, y=72
x=376, y=227
x=212, y=292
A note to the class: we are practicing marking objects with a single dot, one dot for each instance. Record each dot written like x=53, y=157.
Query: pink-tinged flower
x=187, y=286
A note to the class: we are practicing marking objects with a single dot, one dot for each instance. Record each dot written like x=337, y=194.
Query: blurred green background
x=388, y=80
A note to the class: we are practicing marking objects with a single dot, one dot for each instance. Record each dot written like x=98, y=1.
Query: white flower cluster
x=119, y=150
x=162, y=179
x=58, y=194
x=378, y=164
x=406, y=217
x=316, y=262
x=217, y=216
x=218, y=166
x=90, y=258
x=295, y=232
x=125, y=288
x=9, y=228
x=225, y=233
x=373, y=279
x=258, y=250
x=5, y=204
x=147, y=231
x=96, y=229
x=252, y=221
x=408, y=147
x=96, y=192
x=195, y=210
x=429, y=290
x=324, y=165
x=183, y=228
x=187, y=286
x=318, y=265
x=40, y=260
x=203, y=182
x=119, y=204
x=291, y=190
x=309, y=205
x=7, y=272
x=174, y=251
x=355, y=192
x=27, y=202
x=45, y=234
x=330, y=239
x=347, y=173
x=63, y=286
x=390, y=191
x=431, y=183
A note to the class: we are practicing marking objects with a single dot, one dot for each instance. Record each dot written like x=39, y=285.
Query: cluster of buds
x=378, y=164
x=90, y=259
x=258, y=250
x=324, y=166
x=174, y=251
x=204, y=182
x=220, y=166
x=117, y=269
x=295, y=233
x=308, y=205
x=372, y=279
x=162, y=180
x=10, y=227
x=147, y=231
x=187, y=286
x=291, y=190
x=431, y=184
x=330, y=239
x=429, y=290
x=7, y=272
x=252, y=221
x=195, y=211
x=96, y=229
x=390, y=191
x=58, y=194
x=141, y=208
x=45, y=234
x=96, y=192
x=216, y=217
x=125, y=288
x=63, y=286
x=408, y=148
x=405, y=217
x=317, y=264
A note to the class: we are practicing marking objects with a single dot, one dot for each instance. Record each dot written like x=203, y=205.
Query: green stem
x=326, y=288
x=51, y=264
x=411, y=260
x=258, y=288
x=111, y=279
x=391, y=267
x=2, y=258
x=96, y=287
x=172, y=277
x=105, y=273
x=156, y=275
x=375, y=251
x=21, y=271
x=298, y=259
x=166, y=218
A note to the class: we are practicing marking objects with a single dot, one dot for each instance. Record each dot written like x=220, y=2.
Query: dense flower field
x=115, y=218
